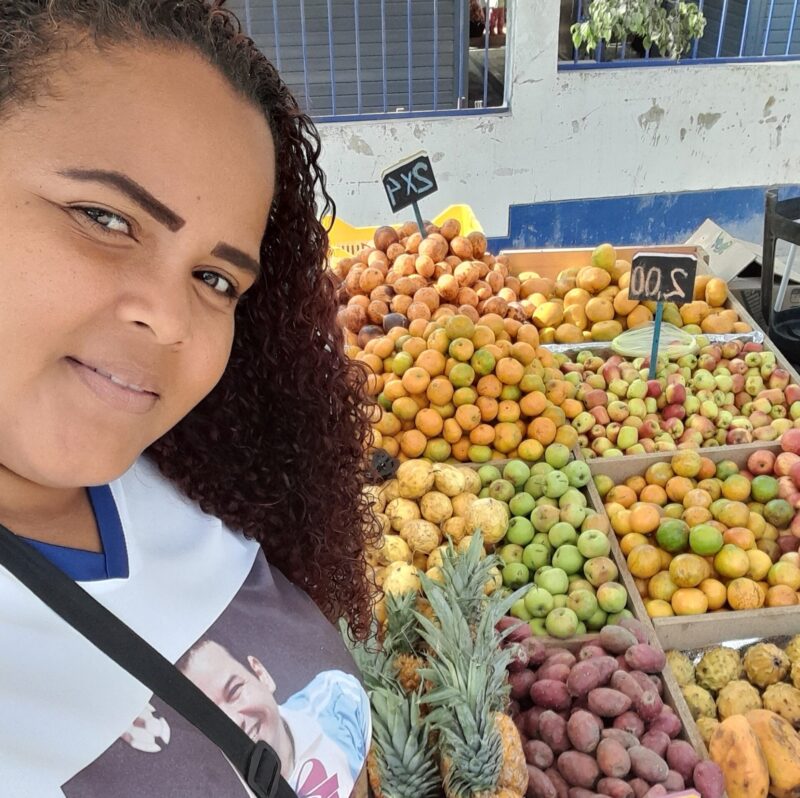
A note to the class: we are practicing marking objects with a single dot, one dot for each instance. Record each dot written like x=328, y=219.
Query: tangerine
x=781, y=596
x=658, y=608
x=630, y=541
x=459, y=326
x=655, y=494
x=688, y=570
x=686, y=463
x=689, y=601
x=661, y=586
x=432, y=361
x=678, y=487
x=645, y=518
x=736, y=487
x=745, y=594
x=644, y=561
x=413, y=443
x=716, y=593
x=530, y=450
x=509, y=371
x=439, y=391
x=543, y=430
x=623, y=495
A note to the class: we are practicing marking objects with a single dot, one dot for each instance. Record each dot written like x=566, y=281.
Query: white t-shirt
x=75, y=724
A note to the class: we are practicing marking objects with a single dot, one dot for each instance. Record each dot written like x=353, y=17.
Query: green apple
x=557, y=455
x=553, y=580
x=538, y=627
x=562, y=623
x=488, y=474
x=520, y=531
x=517, y=473
x=522, y=504
x=515, y=575
x=562, y=533
x=535, y=555
x=593, y=543
x=556, y=484
x=519, y=610
x=511, y=553
x=501, y=490
x=612, y=597
x=583, y=604
x=568, y=558
x=597, y=621
x=538, y=602
x=578, y=473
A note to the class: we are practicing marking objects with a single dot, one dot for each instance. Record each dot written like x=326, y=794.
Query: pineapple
x=401, y=763
x=481, y=750
x=401, y=638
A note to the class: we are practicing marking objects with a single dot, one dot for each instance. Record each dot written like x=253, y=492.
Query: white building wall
x=581, y=134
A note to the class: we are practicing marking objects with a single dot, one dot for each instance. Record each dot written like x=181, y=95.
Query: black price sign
x=409, y=182
x=663, y=277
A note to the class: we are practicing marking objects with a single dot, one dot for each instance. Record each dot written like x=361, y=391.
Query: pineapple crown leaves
x=375, y=663
x=402, y=632
x=465, y=575
x=405, y=761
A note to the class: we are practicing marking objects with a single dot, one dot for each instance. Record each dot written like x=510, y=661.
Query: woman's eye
x=106, y=221
x=222, y=285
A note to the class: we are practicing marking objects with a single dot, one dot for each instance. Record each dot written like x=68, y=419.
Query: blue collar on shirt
x=91, y=566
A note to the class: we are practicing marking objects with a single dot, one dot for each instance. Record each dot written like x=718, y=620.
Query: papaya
x=735, y=748
x=780, y=744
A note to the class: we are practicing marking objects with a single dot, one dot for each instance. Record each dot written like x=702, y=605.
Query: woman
x=176, y=402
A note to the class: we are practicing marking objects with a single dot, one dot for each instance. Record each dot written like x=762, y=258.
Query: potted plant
x=669, y=26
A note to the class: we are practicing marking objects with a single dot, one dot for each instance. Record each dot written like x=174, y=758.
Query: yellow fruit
x=658, y=608
x=744, y=594
x=735, y=747
x=688, y=570
x=780, y=746
x=644, y=561
x=689, y=601
x=686, y=463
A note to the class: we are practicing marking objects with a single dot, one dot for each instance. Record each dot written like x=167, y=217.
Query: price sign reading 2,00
x=663, y=277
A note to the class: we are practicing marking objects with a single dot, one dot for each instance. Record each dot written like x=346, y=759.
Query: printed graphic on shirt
x=317, y=722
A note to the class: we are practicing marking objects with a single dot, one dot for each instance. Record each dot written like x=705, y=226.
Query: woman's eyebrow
x=160, y=212
x=140, y=195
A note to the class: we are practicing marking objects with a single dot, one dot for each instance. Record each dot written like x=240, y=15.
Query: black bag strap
x=257, y=763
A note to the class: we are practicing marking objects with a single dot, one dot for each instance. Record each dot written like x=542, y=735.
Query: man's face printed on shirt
x=245, y=694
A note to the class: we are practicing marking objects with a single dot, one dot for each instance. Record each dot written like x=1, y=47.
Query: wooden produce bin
x=695, y=631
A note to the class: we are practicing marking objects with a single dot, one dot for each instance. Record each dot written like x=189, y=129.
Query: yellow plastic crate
x=346, y=240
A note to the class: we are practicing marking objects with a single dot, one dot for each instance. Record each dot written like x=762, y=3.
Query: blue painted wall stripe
x=642, y=219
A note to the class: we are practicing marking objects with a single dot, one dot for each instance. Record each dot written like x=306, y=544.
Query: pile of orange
x=471, y=392
x=694, y=540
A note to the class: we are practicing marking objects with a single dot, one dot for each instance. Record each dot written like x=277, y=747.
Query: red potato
x=682, y=758
x=539, y=786
x=531, y=720
x=536, y=650
x=648, y=705
x=521, y=683
x=553, y=731
x=583, y=732
x=631, y=723
x=560, y=655
x=708, y=780
x=590, y=650
x=514, y=708
x=639, y=630
x=625, y=683
x=557, y=670
x=667, y=722
x=613, y=759
x=538, y=754
x=607, y=667
x=578, y=770
x=608, y=703
x=624, y=738
x=513, y=630
x=520, y=660
x=656, y=791
x=622, y=663
x=550, y=694
x=648, y=765
x=617, y=639
x=639, y=787
x=581, y=792
x=615, y=788
x=583, y=677
x=675, y=782
x=656, y=741
x=648, y=681
x=557, y=780
x=644, y=657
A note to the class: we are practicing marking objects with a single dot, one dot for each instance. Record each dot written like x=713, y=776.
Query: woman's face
x=133, y=200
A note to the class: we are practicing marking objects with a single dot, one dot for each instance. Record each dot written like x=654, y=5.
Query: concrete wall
x=582, y=134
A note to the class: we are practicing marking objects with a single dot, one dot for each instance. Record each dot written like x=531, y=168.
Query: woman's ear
x=261, y=672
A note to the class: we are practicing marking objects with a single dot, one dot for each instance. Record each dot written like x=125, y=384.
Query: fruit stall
x=588, y=580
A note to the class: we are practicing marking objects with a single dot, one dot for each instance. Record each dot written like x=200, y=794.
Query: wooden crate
x=695, y=631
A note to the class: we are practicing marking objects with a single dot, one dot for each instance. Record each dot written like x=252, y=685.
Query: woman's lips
x=113, y=390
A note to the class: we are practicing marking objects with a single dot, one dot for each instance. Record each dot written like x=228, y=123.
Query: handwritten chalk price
x=409, y=182
x=663, y=277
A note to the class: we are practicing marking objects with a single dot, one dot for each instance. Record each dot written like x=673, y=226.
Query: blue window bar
x=362, y=59
x=736, y=31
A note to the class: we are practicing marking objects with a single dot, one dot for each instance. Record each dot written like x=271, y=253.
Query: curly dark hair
x=277, y=449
